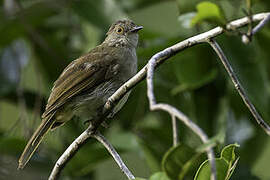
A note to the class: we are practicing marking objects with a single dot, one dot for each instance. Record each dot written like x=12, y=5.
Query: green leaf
x=225, y=165
x=159, y=176
x=212, y=142
x=204, y=170
x=180, y=160
x=207, y=11
x=228, y=154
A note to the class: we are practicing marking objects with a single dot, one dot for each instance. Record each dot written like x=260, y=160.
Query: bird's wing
x=83, y=73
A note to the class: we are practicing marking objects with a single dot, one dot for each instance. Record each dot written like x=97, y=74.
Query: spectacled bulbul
x=87, y=82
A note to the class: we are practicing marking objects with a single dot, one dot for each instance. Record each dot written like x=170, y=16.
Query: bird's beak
x=136, y=29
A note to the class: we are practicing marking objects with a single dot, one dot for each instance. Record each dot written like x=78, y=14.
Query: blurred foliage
x=180, y=160
x=207, y=11
x=38, y=38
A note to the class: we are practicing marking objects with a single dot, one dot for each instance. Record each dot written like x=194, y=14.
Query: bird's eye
x=120, y=30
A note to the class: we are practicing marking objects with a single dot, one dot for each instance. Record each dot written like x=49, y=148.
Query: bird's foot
x=103, y=124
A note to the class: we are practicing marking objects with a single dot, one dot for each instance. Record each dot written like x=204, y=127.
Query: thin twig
x=260, y=25
x=172, y=110
x=75, y=146
x=238, y=86
x=175, y=131
x=68, y=154
x=114, y=154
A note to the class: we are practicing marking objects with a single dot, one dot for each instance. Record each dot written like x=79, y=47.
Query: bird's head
x=123, y=32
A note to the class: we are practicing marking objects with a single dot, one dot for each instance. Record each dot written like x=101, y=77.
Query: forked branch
x=75, y=146
x=173, y=111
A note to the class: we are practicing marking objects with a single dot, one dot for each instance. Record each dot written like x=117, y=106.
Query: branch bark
x=156, y=60
x=238, y=86
x=175, y=131
x=173, y=111
x=261, y=24
x=75, y=146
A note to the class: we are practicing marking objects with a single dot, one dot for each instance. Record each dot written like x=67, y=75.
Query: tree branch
x=69, y=153
x=156, y=60
x=114, y=154
x=260, y=25
x=172, y=110
x=238, y=86
x=175, y=131
x=75, y=146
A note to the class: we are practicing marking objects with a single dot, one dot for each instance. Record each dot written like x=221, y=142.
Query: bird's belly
x=88, y=105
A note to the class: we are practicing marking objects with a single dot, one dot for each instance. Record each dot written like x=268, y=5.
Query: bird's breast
x=128, y=64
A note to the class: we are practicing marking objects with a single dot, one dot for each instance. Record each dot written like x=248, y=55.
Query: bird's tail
x=35, y=140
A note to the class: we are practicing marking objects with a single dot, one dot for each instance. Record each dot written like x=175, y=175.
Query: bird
x=87, y=82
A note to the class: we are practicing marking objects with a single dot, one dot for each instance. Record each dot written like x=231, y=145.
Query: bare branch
x=260, y=25
x=238, y=86
x=246, y=37
x=69, y=153
x=114, y=154
x=75, y=146
x=172, y=110
x=175, y=131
